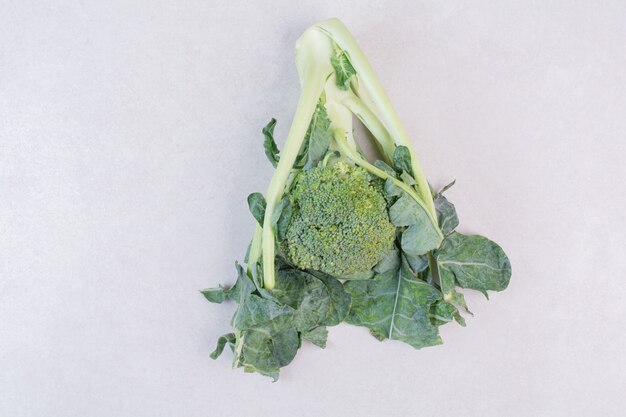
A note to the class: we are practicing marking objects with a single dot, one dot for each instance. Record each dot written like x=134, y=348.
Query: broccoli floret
x=340, y=223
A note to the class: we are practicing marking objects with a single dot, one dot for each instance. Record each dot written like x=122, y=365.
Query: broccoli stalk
x=350, y=87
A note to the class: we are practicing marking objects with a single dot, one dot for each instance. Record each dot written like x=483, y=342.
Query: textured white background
x=130, y=138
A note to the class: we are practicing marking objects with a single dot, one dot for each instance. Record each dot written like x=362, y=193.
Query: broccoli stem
x=371, y=122
x=381, y=103
x=313, y=73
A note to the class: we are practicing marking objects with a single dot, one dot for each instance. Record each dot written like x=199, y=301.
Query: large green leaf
x=269, y=325
x=319, y=298
x=422, y=235
x=317, y=336
x=265, y=349
x=395, y=305
x=475, y=262
x=340, y=299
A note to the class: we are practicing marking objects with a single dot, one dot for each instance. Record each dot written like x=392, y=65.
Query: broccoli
x=328, y=61
x=340, y=224
x=342, y=239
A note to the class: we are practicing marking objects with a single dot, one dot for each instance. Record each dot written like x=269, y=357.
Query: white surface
x=130, y=138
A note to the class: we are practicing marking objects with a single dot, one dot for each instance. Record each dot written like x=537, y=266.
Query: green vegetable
x=342, y=239
x=340, y=223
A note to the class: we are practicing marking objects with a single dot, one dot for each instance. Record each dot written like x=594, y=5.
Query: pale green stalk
x=313, y=71
x=381, y=103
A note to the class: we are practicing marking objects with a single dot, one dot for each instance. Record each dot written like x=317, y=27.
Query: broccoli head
x=340, y=223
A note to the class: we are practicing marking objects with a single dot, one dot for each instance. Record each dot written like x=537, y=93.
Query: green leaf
x=475, y=262
x=391, y=260
x=243, y=286
x=421, y=236
x=391, y=189
x=386, y=168
x=395, y=305
x=265, y=349
x=214, y=295
x=305, y=294
x=407, y=178
x=269, y=145
x=318, y=298
x=443, y=312
x=406, y=211
x=447, y=187
x=446, y=212
x=256, y=203
x=265, y=337
x=268, y=323
x=417, y=263
x=317, y=137
x=221, y=342
x=448, y=289
x=282, y=217
x=402, y=160
x=340, y=299
x=343, y=69
x=317, y=336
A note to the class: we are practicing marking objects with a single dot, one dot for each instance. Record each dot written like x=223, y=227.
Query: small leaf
x=214, y=295
x=391, y=189
x=402, y=159
x=317, y=336
x=447, y=187
x=256, y=203
x=446, y=212
x=317, y=137
x=386, y=168
x=343, y=69
x=405, y=211
x=475, y=262
x=417, y=263
x=443, y=312
x=448, y=289
x=271, y=150
x=282, y=217
x=391, y=260
x=419, y=238
x=221, y=343
x=407, y=178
